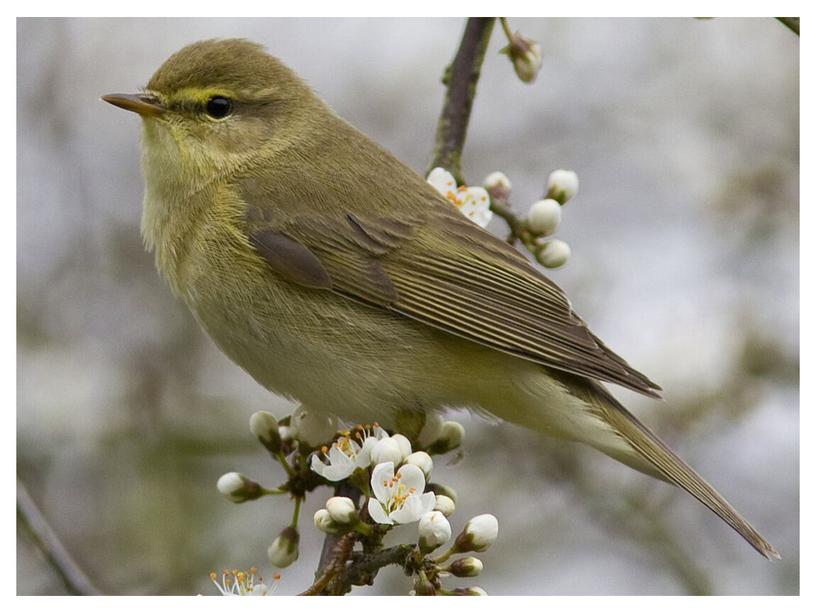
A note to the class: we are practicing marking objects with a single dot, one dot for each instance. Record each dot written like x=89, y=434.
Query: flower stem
x=296, y=514
x=506, y=28
x=282, y=459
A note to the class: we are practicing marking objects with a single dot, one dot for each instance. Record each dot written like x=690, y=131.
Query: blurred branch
x=792, y=23
x=76, y=581
x=460, y=78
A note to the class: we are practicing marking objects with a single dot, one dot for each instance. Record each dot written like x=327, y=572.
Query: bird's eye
x=219, y=107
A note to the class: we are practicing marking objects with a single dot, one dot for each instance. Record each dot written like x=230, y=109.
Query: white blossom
x=480, y=533
x=244, y=583
x=554, y=253
x=496, y=180
x=341, y=509
x=284, y=550
x=265, y=427
x=472, y=202
x=238, y=488
x=346, y=455
x=465, y=567
x=525, y=54
x=431, y=429
x=434, y=530
x=422, y=460
x=544, y=217
x=312, y=427
x=388, y=449
x=444, y=505
x=398, y=498
x=324, y=522
x=562, y=185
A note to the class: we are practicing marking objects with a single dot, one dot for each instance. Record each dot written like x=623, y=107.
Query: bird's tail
x=664, y=463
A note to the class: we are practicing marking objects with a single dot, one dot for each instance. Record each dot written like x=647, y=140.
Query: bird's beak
x=143, y=104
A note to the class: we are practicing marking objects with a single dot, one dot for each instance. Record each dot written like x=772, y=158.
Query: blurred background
x=684, y=134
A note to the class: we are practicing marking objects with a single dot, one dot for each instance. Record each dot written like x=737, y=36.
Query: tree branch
x=76, y=581
x=460, y=78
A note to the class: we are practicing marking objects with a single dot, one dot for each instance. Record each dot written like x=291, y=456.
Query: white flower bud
x=265, y=428
x=431, y=429
x=404, y=445
x=238, y=488
x=525, y=54
x=466, y=567
x=285, y=433
x=497, y=179
x=562, y=185
x=554, y=253
x=311, y=427
x=422, y=460
x=284, y=549
x=469, y=591
x=324, y=522
x=450, y=437
x=341, y=509
x=479, y=533
x=444, y=505
x=434, y=530
x=387, y=450
x=544, y=217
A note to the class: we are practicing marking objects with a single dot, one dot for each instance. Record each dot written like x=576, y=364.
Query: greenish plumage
x=337, y=276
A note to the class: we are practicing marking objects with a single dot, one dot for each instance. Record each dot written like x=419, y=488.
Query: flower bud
x=285, y=433
x=239, y=488
x=324, y=522
x=341, y=509
x=562, y=185
x=544, y=217
x=387, y=450
x=284, y=549
x=525, y=54
x=466, y=567
x=311, y=427
x=480, y=533
x=450, y=437
x=431, y=429
x=422, y=460
x=554, y=253
x=442, y=490
x=265, y=428
x=469, y=591
x=444, y=505
x=434, y=530
x=498, y=185
x=404, y=445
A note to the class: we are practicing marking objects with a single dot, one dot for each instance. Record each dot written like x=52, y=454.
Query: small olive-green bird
x=337, y=276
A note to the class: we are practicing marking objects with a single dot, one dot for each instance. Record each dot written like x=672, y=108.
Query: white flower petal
x=380, y=477
x=410, y=511
x=442, y=180
x=412, y=477
x=427, y=502
x=377, y=513
x=404, y=445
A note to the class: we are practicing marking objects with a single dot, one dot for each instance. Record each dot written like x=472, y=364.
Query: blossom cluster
x=391, y=473
x=544, y=216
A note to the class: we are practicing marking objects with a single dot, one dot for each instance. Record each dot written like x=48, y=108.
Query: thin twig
x=76, y=581
x=461, y=77
x=792, y=23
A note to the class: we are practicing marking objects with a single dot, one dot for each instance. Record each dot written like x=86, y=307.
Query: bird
x=336, y=276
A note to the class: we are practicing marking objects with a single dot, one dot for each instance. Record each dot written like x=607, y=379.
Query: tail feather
x=674, y=470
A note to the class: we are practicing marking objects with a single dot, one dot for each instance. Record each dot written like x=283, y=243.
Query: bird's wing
x=441, y=269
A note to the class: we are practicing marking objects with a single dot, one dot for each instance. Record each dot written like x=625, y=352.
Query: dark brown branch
x=76, y=581
x=363, y=570
x=461, y=77
x=792, y=23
